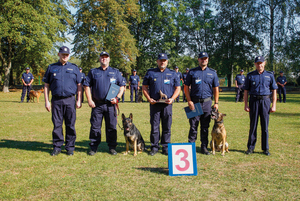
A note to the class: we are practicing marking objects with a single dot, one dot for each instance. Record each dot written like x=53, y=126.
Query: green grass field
x=28, y=172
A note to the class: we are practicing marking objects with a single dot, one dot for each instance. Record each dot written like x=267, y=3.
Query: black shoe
x=153, y=152
x=205, y=151
x=70, y=153
x=267, y=153
x=165, y=152
x=249, y=151
x=55, y=152
x=113, y=152
x=92, y=153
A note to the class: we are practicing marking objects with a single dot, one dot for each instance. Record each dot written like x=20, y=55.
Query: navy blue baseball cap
x=162, y=56
x=176, y=67
x=242, y=70
x=259, y=59
x=187, y=69
x=27, y=68
x=64, y=50
x=203, y=54
x=104, y=53
x=80, y=68
x=134, y=70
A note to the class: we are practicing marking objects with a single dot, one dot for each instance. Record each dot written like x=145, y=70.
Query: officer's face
x=203, y=61
x=27, y=70
x=134, y=72
x=63, y=58
x=281, y=74
x=162, y=63
x=176, y=69
x=260, y=66
x=104, y=60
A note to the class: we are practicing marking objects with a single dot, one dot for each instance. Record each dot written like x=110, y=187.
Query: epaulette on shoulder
x=251, y=72
x=212, y=69
x=271, y=72
x=74, y=64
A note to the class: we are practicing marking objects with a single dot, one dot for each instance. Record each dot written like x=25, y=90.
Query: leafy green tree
x=102, y=25
x=32, y=27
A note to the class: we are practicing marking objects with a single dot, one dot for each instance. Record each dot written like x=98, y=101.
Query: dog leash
x=117, y=109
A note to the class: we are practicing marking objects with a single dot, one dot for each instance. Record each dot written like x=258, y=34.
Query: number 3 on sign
x=182, y=159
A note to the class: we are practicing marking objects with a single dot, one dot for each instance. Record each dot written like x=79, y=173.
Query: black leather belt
x=62, y=97
x=101, y=101
x=260, y=97
x=201, y=100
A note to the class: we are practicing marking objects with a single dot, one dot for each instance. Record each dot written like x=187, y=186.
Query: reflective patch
x=69, y=69
x=154, y=79
x=167, y=81
x=112, y=80
x=54, y=74
x=199, y=81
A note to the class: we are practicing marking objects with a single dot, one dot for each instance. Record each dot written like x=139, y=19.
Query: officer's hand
x=273, y=108
x=48, y=106
x=191, y=105
x=91, y=103
x=247, y=109
x=78, y=104
x=170, y=101
x=216, y=106
x=152, y=101
x=114, y=101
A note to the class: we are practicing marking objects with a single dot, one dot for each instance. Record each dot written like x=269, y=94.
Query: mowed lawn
x=28, y=172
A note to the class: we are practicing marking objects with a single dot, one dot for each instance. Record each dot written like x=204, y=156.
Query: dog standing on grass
x=35, y=94
x=132, y=135
x=218, y=133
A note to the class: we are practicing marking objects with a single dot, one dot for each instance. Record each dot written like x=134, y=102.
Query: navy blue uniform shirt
x=179, y=75
x=184, y=77
x=82, y=78
x=134, y=79
x=202, y=82
x=27, y=77
x=63, y=79
x=165, y=81
x=240, y=79
x=260, y=84
x=281, y=79
x=99, y=80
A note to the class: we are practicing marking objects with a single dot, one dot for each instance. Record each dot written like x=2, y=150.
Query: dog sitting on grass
x=132, y=136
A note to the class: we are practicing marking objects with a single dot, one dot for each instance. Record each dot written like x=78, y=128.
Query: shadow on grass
x=158, y=170
x=198, y=150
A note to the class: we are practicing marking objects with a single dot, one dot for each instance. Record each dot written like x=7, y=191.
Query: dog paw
x=223, y=154
x=125, y=153
x=134, y=154
x=213, y=153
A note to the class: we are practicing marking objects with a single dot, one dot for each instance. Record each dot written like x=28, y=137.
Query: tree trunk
x=7, y=76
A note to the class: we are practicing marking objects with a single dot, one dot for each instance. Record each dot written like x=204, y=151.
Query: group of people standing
x=200, y=85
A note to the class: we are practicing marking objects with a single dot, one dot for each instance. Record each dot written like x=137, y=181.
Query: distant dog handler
x=239, y=82
x=204, y=84
x=64, y=80
x=96, y=87
x=258, y=85
x=281, y=82
x=134, y=85
x=166, y=80
x=27, y=79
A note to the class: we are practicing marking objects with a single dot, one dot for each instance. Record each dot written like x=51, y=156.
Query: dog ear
x=223, y=115
x=123, y=116
x=131, y=116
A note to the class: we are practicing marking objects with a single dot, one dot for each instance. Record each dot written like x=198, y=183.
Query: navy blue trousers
x=204, y=120
x=135, y=89
x=24, y=90
x=259, y=109
x=239, y=93
x=108, y=111
x=64, y=110
x=283, y=91
x=160, y=112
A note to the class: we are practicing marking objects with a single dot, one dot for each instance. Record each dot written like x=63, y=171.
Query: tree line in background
x=233, y=32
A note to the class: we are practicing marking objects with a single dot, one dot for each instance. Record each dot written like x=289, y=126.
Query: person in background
x=180, y=77
x=239, y=82
x=281, y=82
x=134, y=85
x=27, y=79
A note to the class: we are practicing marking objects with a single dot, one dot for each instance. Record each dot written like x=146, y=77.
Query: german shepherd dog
x=218, y=133
x=132, y=136
x=35, y=94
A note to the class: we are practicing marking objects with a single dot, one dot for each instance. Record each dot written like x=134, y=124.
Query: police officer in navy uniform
x=123, y=95
x=82, y=81
x=64, y=80
x=183, y=82
x=164, y=80
x=179, y=74
x=239, y=82
x=96, y=85
x=27, y=79
x=259, y=85
x=281, y=82
x=134, y=85
x=204, y=84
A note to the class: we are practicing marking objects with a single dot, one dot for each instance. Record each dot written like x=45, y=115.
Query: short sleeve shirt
x=281, y=79
x=240, y=79
x=27, y=77
x=165, y=81
x=99, y=80
x=63, y=79
x=202, y=82
x=260, y=84
x=134, y=79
